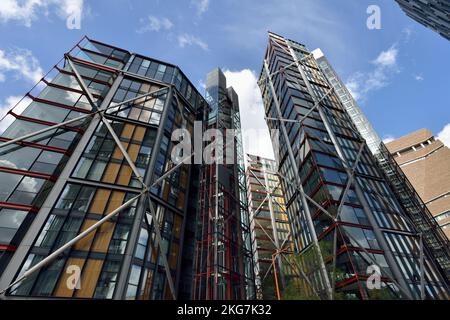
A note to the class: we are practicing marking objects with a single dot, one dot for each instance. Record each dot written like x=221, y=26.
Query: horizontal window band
x=38, y=146
x=58, y=86
x=22, y=207
x=83, y=76
x=46, y=123
x=27, y=173
x=101, y=54
x=7, y=247
x=57, y=104
x=94, y=65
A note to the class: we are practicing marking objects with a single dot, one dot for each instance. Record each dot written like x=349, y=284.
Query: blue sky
x=399, y=74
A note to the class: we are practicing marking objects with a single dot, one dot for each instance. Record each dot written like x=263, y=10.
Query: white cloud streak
x=27, y=11
x=388, y=138
x=256, y=136
x=153, y=23
x=189, y=40
x=444, y=135
x=201, y=6
x=360, y=84
x=21, y=63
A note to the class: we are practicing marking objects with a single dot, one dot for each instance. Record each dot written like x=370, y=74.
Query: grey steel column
x=21, y=253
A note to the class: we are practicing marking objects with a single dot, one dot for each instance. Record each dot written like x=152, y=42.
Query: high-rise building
x=425, y=160
x=223, y=261
x=87, y=173
x=345, y=219
x=271, y=236
x=415, y=208
x=433, y=14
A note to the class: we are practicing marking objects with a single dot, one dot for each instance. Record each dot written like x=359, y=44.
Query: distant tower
x=269, y=224
x=433, y=14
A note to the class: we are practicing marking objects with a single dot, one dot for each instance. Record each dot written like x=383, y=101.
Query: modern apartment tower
x=345, y=219
x=433, y=14
x=410, y=197
x=89, y=188
x=223, y=262
x=271, y=235
x=425, y=160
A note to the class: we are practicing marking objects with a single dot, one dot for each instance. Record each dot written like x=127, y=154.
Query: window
x=10, y=222
x=26, y=190
x=51, y=229
x=68, y=197
x=107, y=282
x=133, y=282
x=46, y=112
x=18, y=157
x=142, y=244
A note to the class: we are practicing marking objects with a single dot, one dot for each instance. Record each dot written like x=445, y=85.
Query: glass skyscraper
x=223, y=261
x=91, y=144
x=433, y=14
x=346, y=221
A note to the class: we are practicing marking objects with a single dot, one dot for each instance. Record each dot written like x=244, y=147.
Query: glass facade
x=120, y=259
x=223, y=261
x=339, y=228
x=269, y=225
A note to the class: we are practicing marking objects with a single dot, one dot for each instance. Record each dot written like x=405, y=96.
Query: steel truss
x=280, y=251
x=145, y=191
x=220, y=251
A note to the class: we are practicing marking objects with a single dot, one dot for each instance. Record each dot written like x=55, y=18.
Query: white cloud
x=2, y=77
x=388, y=138
x=360, y=84
x=189, y=40
x=256, y=136
x=387, y=58
x=200, y=5
x=153, y=23
x=27, y=11
x=22, y=63
x=9, y=103
x=418, y=77
x=444, y=135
